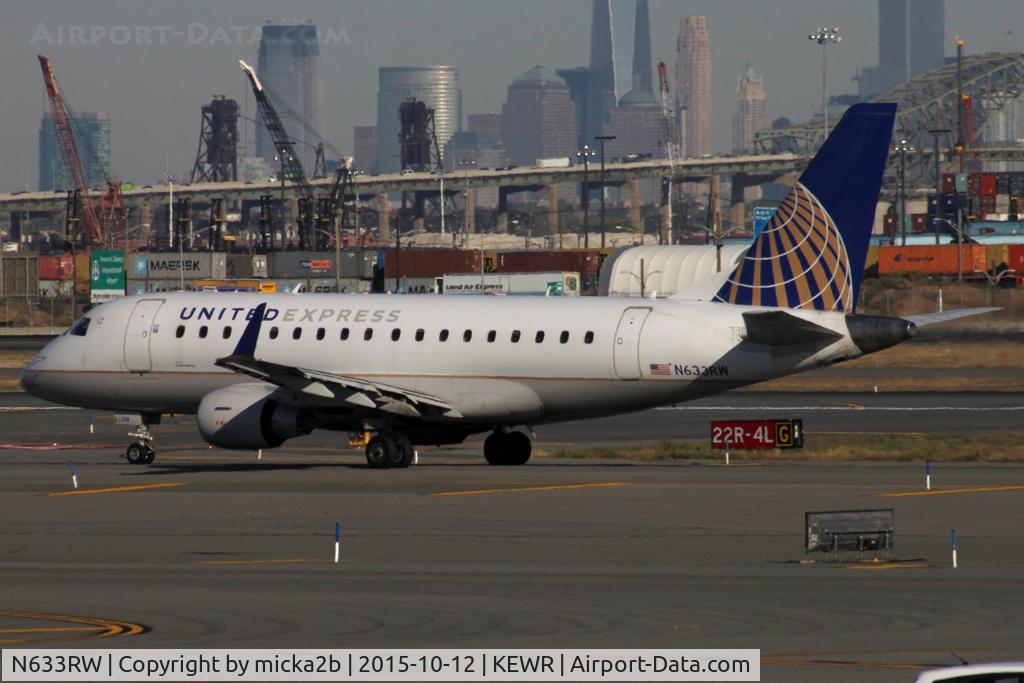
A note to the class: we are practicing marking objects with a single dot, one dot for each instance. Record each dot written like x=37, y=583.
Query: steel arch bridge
x=992, y=80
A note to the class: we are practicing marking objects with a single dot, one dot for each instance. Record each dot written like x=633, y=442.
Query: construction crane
x=669, y=138
x=291, y=166
x=63, y=119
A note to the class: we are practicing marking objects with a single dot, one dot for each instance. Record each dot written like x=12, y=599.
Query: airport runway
x=207, y=548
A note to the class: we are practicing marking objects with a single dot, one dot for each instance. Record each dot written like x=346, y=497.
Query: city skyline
x=153, y=92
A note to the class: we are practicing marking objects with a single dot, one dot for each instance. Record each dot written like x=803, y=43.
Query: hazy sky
x=153, y=84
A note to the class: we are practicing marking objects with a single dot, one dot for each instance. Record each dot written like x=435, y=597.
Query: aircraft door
x=138, y=333
x=627, y=343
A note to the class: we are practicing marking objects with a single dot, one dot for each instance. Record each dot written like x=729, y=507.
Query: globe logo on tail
x=798, y=261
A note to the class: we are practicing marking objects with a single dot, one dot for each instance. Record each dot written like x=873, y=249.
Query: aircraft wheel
x=382, y=451
x=404, y=453
x=519, y=448
x=150, y=454
x=136, y=454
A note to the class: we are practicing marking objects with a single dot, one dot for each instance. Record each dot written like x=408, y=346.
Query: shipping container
x=301, y=264
x=426, y=263
x=933, y=205
x=987, y=186
x=960, y=180
x=890, y=224
x=1002, y=203
x=19, y=275
x=82, y=282
x=931, y=260
x=322, y=285
x=55, y=288
x=919, y=222
x=1017, y=184
x=871, y=262
x=1003, y=184
x=974, y=184
x=158, y=286
x=997, y=256
x=1015, y=257
x=534, y=283
x=56, y=267
x=987, y=203
x=169, y=265
x=949, y=203
x=586, y=262
x=237, y=285
x=949, y=183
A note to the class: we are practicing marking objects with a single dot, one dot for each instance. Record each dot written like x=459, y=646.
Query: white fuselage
x=498, y=360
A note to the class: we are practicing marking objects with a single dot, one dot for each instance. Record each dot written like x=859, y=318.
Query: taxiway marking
x=531, y=489
x=116, y=489
x=946, y=492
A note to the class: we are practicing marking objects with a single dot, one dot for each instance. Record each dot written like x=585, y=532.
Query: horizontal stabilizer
x=946, y=316
x=779, y=328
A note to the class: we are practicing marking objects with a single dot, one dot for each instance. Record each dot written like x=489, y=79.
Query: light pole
x=466, y=164
x=440, y=174
x=938, y=169
x=603, y=139
x=902, y=149
x=585, y=155
x=825, y=36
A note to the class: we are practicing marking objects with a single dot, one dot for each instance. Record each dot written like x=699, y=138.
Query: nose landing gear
x=140, y=451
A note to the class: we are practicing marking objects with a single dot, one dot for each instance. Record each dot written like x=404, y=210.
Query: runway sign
x=755, y=434
x=849, y=530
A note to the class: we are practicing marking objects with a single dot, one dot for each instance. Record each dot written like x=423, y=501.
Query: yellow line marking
x=890, y=565
x=296, y=561
x=527, y=489
x=109, y=627
x=115, y=489
x=946, y=492
x=52, y=629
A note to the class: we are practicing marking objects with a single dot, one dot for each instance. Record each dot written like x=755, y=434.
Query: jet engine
x=248, y=417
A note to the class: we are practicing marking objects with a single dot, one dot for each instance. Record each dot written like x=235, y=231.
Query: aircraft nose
x=29, y=377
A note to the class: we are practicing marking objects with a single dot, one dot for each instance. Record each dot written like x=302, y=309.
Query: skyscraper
x=92, y=138
x=911, y=40
x=539, y=118
x=636, y=120
x=364, y=148
x=750, y=115
x=693, y=85
x=612, y=34
x=435, y=86
x=289, y=68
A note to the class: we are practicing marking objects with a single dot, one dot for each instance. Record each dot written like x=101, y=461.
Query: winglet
x=247, y=344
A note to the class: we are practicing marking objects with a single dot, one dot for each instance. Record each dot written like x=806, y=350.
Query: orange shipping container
x=996, y=255
x=1015, y=257
x=932, y=260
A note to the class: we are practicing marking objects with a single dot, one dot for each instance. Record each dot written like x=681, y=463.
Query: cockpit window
x=80, y=328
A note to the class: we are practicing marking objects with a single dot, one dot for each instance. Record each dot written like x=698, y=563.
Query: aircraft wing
x=779, y=328
x=354, y=391
x=945, y=316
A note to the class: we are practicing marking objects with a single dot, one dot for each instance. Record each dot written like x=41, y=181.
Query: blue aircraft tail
x=811, y=253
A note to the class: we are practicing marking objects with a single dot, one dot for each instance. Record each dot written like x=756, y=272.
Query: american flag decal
x=661, y=370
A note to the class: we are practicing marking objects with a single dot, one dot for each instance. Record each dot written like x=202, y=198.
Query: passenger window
x=467, y=335
x=320, y=333
x=297, y=333
x=443, y=336
x=515, y=336
x=368, y=335
x=540, y=336
x=179, y=333
x=273, y=333
x=396, y=334
x=564, y=337
x=227, y=332
x=588, y=338
x=491, y=336
x=344, y=333
x=419, y=335
x=202, y=331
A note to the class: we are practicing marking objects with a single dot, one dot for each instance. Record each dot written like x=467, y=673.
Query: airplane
x=258, y=369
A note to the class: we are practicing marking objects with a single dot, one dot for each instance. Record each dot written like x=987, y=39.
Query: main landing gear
x=507, y=448
x=389, y=449
x=140, y=451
